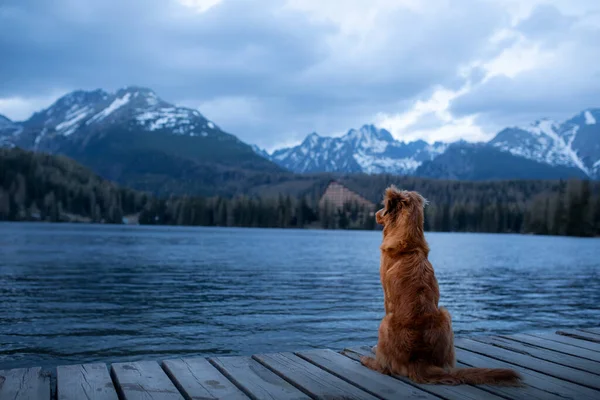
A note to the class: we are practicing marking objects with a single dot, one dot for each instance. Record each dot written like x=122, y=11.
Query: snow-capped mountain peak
x=115, y=104
x=84, y=113
x=368, y=149
x=543, y=126
x=573, y=143
x=68, y=112
x=369, y=138
x=78, y=97
x=540, y=141
x=312, y=139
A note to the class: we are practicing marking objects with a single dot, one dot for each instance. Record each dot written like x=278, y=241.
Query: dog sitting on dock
x=415, y=336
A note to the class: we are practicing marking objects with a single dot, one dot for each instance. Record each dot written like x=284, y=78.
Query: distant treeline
x=42, y=187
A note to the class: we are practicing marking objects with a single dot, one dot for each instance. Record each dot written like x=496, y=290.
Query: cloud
x=431, y=120
x=541, y=64
x=551, y=71
x=200, y=5
x=271, y=71
x=19, y=108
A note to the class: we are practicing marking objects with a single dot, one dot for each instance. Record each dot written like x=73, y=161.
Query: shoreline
x=313, y=228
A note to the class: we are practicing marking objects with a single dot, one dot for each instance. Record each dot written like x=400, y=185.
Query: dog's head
x=402, y=217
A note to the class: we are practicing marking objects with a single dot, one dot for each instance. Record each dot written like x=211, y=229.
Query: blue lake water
x=83, y=293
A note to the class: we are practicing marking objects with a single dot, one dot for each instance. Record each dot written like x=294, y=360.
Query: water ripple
x=75, y=293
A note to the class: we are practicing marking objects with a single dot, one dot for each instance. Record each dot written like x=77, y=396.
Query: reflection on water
x=77, y=293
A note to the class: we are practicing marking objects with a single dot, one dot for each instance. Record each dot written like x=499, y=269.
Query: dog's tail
x=474, y=376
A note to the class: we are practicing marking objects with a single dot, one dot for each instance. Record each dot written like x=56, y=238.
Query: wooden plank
x=579, y=335
x=87, y=381
x=382, y=386
x=555, y=346
x=24, y=384
x=256, y=380
x=309, y=378
x=198, y=379
x=543, y=354
x=545, y=367
x=567, y=340
x=593, y=330
x=538, y=385
x=143, y=380
x=447, y=392
x=590, y=332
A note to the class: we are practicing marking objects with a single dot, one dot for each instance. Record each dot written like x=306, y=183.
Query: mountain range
x=135, y=138
x=368, y=149
x=543, y=150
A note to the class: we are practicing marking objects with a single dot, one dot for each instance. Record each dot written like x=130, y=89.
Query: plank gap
x=557, y=347
x=282, y=376
x=174, y=381
x=566, y=360
x=448, y=392
x=115, y=380
x=558, y=371
x=579, y=335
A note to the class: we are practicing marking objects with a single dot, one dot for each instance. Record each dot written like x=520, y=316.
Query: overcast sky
x=272, y=71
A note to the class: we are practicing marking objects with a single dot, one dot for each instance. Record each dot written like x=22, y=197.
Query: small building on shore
x=336, y=195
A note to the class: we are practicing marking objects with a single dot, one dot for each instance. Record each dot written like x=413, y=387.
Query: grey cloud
x=216, y=52
x=558, y=89
x=545, y=23
x=281, y=62
x=503, y=101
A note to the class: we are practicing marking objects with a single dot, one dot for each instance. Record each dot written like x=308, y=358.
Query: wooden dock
x=560, y=365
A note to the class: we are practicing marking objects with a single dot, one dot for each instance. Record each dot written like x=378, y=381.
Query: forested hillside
x=38, y=186
x=35, y=186
x=543, y=207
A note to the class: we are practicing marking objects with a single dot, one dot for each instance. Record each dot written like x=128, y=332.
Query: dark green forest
x=41, y=187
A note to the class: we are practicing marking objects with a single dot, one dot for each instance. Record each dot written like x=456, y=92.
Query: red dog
x=415, y=336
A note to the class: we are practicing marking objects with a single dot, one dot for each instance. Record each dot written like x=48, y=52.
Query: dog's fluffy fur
x=415, y=336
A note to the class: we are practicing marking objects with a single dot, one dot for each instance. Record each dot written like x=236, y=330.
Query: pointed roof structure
x=336, y=194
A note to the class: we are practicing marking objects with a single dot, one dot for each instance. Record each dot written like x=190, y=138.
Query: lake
x=84, y=293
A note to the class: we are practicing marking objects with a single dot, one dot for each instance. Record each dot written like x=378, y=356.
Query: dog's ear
x=390, y=205
x=393, y=199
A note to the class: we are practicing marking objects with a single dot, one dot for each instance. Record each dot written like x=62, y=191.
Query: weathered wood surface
x=580, y=335
x=198, y=379
x=592, y=330
x=87, y=381
x=545, y=367
x=552, y=386
x=558, y=365
x=555, y=346
x=256, y=379
x=309, y=378
x=543, y=354
x=370, y=381
x=143, y=380
x=443, y=391
x=567, y=340
x=24, y=384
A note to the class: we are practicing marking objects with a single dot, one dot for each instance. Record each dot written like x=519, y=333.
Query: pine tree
x=575, y=211
x=4, y=205
x=559, y=213
x=587, y=214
